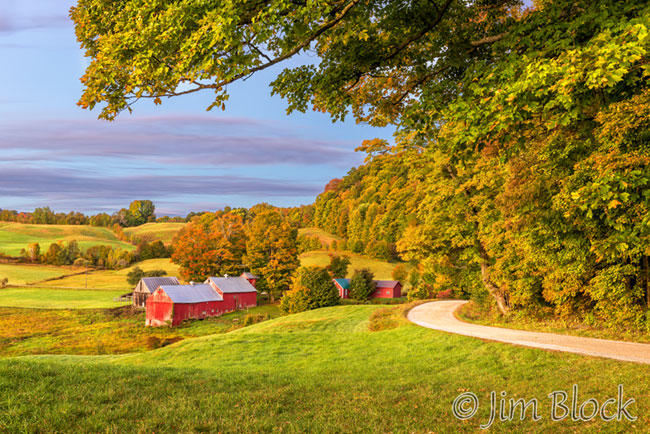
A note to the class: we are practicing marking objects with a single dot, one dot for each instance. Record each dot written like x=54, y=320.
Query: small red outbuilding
x=171, y=305
x=237, y=292
x=383, y=288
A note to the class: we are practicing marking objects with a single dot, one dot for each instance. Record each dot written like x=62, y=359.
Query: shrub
x=338, y=266
x=444, y=294
x=296, y=300
x=3, y=282
x=251, y=319
x=399, y=273
x=362, y=285
x=420, y=292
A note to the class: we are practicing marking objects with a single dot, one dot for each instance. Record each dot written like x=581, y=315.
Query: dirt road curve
x=438, y=315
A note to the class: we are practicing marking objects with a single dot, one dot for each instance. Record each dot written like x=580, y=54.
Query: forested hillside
x=535, y=189
x=520, y=171
x=373, y=204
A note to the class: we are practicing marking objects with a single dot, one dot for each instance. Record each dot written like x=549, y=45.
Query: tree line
x=99, y=256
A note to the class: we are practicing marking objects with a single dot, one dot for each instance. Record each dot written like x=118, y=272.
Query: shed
x=237, y=292
x=252, y=279
x=387, y=289
x=147, y=285
x=383, y=288
x=172, y=304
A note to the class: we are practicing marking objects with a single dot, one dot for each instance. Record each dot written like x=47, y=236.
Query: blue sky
x=53, y=153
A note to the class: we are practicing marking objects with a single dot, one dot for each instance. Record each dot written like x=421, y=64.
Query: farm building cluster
x=169, y=303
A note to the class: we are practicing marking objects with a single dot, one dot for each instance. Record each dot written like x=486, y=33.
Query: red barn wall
x=388, y=292
x=160, y=309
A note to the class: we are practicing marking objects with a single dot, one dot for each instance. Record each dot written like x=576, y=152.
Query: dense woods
x=519, y=171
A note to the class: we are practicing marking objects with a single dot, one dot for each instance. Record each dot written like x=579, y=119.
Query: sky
x=183, y=158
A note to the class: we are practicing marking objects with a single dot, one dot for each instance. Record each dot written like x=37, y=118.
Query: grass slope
x=113, y=279
x=16, y=236
x=383, y=270
x=20, y=274
x=156, y=231
x=50, y=298
x=323, y=236
x=101, y=331
x=320, y=371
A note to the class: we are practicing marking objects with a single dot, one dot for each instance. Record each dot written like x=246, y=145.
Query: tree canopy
x=374, y=58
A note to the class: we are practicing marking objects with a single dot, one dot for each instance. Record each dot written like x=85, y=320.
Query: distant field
x=382, y=269
x=113, y=279
x=101, y=331
x=19, y=274
x=324, y=237
x=156, y=231
x=50, y=298
x=16, y=236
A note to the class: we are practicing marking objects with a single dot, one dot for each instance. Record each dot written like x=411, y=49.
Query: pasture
x=112, y=279
x=319, y=371
x=102, y=331
x=155, y=231
x=52, y=298
x=16, y=236
x=382, y=269
x=323, y=236
x=22, y=274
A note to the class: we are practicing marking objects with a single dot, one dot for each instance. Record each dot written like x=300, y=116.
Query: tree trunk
x=497, y=293
x=647, y=281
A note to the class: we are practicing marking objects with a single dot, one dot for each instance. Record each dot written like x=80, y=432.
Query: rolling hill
x=319, y=371
x=155, y=231
x=16, y=236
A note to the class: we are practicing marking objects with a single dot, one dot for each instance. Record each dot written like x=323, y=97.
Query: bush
x=296, y=300
x=399, y=273
x=312, y=288
x=3, y=282
x=420, y=292
x=338, y=266
x=444, y=294
x=251, y=319
x=362, y=285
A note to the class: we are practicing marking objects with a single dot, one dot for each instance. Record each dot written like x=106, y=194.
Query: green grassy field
x=51, y=298
x=382, y=269
x=16, y=236
x=321, y=371
x=323, y=236
x=20, y=274
x=156, y=231
x=102, y=331
x=113, y=279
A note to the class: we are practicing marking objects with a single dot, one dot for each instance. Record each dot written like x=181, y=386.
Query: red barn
x=387, y=289
x=252, y=279
x=237, y=292
x=172, y=304
x=383, y=288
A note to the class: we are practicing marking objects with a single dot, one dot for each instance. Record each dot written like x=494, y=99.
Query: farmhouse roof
x=343, y=283
x=249, y=275
x=386, y=283
x=191, y=293
x=232, y=284
x=152, y=283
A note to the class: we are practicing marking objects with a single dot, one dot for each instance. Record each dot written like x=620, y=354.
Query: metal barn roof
x=249, y=275
x=386, y=283
x=191, y=293
x=343, y=283
x=152, y=283
x=232, y=284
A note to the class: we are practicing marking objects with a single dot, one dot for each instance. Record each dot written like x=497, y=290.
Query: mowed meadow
x=16, y=236
x=319, y=371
